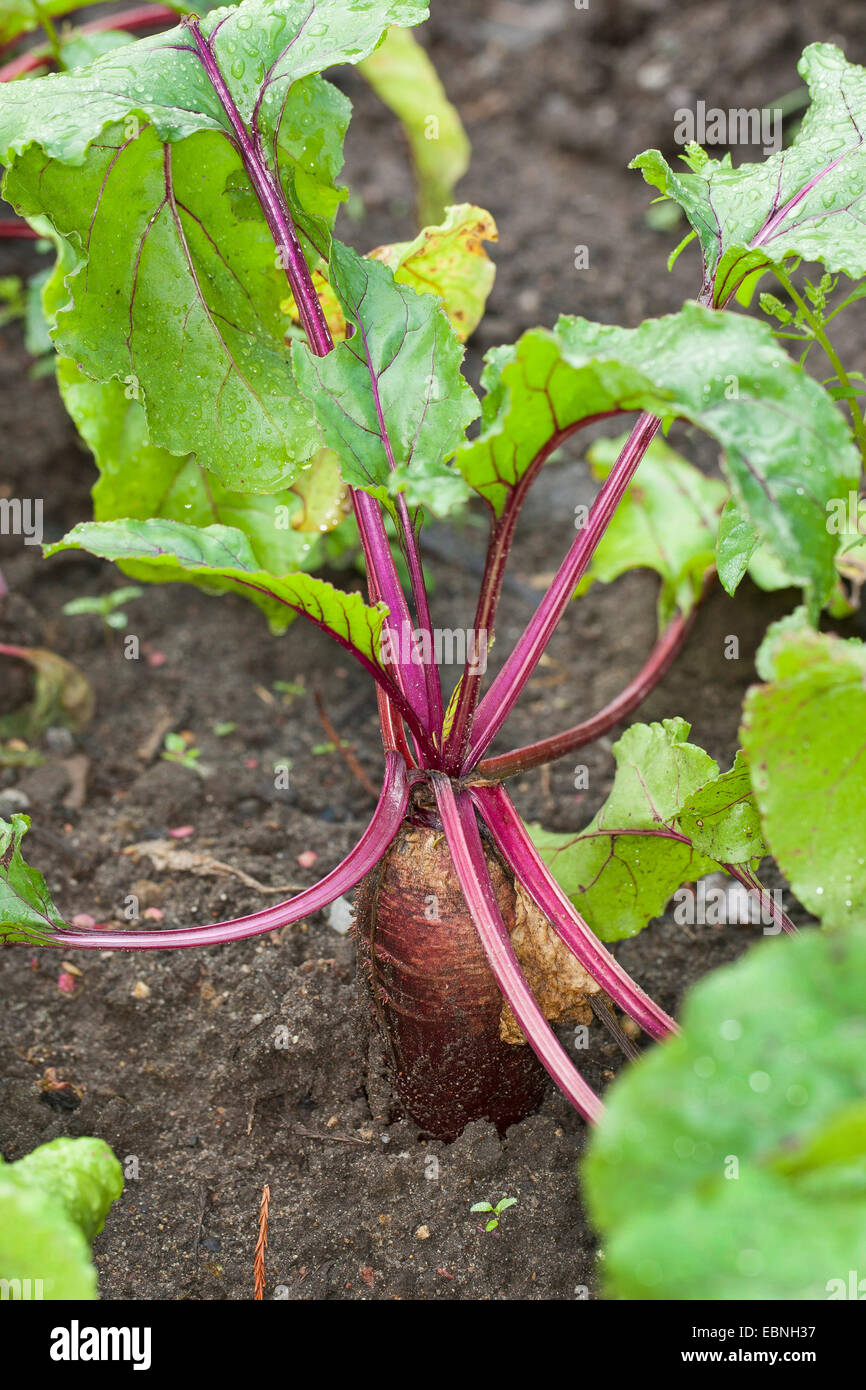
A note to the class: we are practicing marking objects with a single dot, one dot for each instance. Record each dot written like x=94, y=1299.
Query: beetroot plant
x=210, y=325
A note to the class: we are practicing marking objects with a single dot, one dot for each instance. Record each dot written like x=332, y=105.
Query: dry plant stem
x=608, y=1019
x=344, y=750
x=261, y=1246
x=658, y=663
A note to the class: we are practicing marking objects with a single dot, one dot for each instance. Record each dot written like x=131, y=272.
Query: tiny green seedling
x=495, y=1212
x=108, y=607
x=288, y=690
x=180, y=749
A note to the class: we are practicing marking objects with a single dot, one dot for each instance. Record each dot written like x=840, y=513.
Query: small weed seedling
x=108, y=607
x=495, y=1212
x=179, y=748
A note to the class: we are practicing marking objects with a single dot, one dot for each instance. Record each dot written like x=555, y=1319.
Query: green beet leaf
x=178, y=288
x=803, y=731
x=670, y=818
x=139, y=480
x=390, y=400
x=731, y=1162
x=721, y=818
x=804, y=201
x=787, y=450
x=221, y=559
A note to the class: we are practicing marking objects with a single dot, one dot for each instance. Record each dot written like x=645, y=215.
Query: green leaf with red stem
x=787, y=450
x=666, y=818
x=221, y=559
x=298, y=528
x=391, y=399
x=27, y=912
x=807, y=200
x=175, y=167
x=447, y=259
x=721, y=818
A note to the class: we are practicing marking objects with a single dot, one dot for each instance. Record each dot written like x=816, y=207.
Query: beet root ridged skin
x=432, y=993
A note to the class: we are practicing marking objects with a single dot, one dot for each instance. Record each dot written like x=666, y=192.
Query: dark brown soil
x=174, y=1052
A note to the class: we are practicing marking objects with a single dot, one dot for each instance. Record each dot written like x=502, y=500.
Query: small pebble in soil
x=140, y=990
x=340, y=915
x=59, y=740
x=422, y=1233
x=11, y=799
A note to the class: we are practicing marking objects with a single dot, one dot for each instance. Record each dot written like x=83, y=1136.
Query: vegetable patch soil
x=215, y=1071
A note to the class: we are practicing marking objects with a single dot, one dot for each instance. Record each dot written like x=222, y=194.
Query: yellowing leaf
x=448, y=260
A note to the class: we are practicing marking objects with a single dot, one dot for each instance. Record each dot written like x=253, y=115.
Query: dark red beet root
x=432, y=993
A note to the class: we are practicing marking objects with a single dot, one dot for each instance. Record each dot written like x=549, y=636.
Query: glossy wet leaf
x=805, y=733
x=741, y=551
x=139, y=480
x=53, y=1202
x=731, y=1161
x=787, y=450
x=80, y=49
x=402, y=75
x=807, y=200
x=721, y=818
x=448, y=260
x=667, y=521
x=618, y=875
x=222, y=559
x=390, y=400
x=178, y=292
